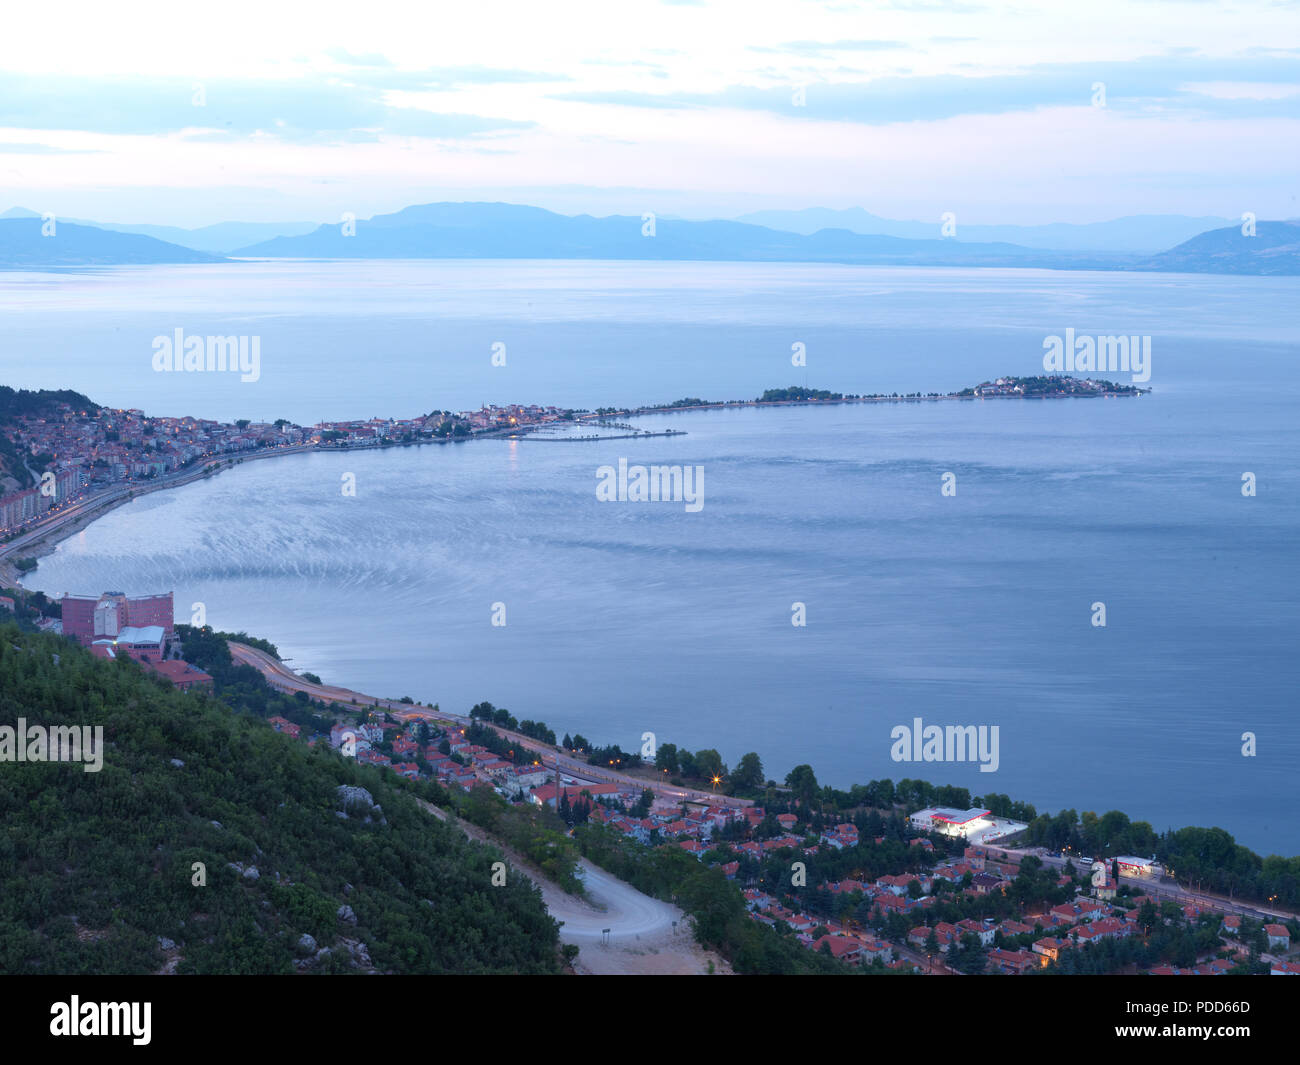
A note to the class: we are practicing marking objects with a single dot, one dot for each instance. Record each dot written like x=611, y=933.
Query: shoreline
x=284, y=679
x=44, y=539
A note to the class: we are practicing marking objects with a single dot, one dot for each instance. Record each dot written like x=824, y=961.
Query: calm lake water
x=624, y=618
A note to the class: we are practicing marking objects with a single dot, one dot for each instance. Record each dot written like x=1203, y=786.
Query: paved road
x=1169, y=889
x=282, y=678
x=51, y=524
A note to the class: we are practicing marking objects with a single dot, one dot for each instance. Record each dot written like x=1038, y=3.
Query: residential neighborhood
x=891, y=921
x=87, y=449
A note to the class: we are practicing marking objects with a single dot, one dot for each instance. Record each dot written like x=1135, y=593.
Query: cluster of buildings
x=140, y=627
x=1030, y=942
x=462, y=423
x=123, y=445
x=1003, y=386
x=975, y=825
x=1063, y=384
x=1033, y=941
x=471, y=766
x=92, y=449
x=896, y=893
x=1279, y=944
x=490, y=416
x=689, y=824
x=28, y=504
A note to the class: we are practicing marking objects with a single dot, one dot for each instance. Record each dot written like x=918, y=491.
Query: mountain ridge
x=23, y=244
x=498, y=230
x=1131, y=234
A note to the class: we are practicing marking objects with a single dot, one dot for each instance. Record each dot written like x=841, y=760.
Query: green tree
x=803, y=782
x=643, y=804
x=709, y=764
x=749, y=773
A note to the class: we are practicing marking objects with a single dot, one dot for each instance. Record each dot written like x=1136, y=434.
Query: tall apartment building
x=18, y=508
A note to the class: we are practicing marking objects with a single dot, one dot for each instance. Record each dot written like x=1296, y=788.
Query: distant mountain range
x=1274, y=249
x=512, y=231
x=23, y=245
x=501, y=230
x=219, y=239
x=1137, y=234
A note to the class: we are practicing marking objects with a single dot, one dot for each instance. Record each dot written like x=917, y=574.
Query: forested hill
x=97, y=869
x=19, y=402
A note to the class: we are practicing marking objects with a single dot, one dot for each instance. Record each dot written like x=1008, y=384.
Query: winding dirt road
x=645, y=937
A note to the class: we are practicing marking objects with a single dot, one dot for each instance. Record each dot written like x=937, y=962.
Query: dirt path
x=642, y=938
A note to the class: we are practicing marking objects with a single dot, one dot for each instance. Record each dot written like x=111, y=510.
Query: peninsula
x=65, y=460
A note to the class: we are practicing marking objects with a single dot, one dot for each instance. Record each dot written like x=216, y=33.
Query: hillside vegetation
x=97, y=869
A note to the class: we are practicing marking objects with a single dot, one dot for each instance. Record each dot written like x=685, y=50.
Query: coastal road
x=1166, y=889
x=71, y=513
x=82, y=508
x=282, y=678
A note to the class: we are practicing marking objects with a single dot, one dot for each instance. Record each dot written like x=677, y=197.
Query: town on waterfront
x=685, y=489
x=80, y=448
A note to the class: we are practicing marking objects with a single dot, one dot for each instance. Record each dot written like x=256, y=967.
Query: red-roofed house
x=1008, y=961
x=1279, y=937
x=181, y=674
x=844, y=948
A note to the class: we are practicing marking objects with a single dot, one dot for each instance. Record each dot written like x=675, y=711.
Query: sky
x=187, y=115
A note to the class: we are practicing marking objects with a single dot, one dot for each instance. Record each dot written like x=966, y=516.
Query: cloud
x=347, y=59
x=821, y=48
x=307, y=110
x=12, y=148
x=1236, y=90
x=1161, y=84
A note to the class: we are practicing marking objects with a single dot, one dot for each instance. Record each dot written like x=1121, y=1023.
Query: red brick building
x=90, y=618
